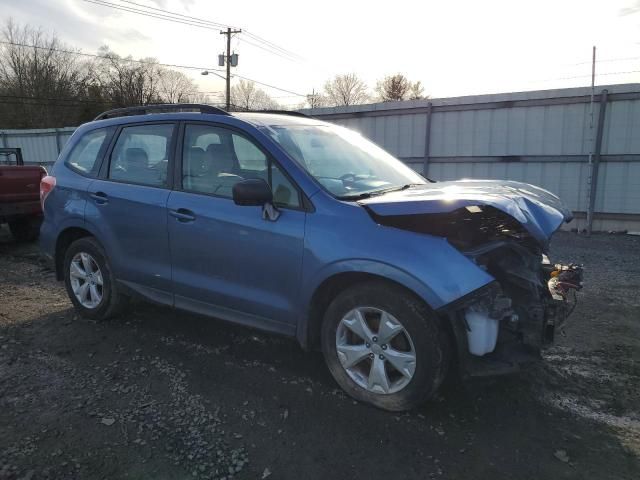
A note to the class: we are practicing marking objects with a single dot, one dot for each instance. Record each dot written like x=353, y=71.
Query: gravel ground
x=162, y=394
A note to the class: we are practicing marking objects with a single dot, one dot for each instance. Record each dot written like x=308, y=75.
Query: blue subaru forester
x=303, y=228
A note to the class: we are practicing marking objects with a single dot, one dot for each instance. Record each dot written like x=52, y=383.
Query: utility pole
x=591, y=179
x=228, y=33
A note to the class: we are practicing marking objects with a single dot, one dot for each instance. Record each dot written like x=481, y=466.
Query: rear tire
x=419, y=351
x=25, y=229
x=91, y=267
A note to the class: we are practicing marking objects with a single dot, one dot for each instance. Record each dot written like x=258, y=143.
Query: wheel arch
x=63, y=241
x=326, y=291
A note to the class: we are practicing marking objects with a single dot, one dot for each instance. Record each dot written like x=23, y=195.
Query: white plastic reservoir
x=483, y=332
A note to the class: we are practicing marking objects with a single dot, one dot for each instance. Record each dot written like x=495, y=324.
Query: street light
x=207, y=72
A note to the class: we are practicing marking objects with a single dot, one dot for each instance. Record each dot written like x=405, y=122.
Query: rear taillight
x=47, y=183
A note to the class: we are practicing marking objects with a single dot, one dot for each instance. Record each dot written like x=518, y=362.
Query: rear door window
x=85, y=154
x=141, y=155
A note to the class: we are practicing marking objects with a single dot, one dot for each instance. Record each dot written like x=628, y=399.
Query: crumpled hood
x=539, y=211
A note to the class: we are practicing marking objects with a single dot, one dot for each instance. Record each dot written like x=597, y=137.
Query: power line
x=190, y=67
x=58, y=99
x=220, y=25
x=193, y=21
x=270, y=86
x=145, y=62
x=215, y=24
x=584, y=76
x=619, y=73
x=273, y=45
x=152, y=14
x=274, y=52
x=61, y=99
x=623, y=59
x=43, y=104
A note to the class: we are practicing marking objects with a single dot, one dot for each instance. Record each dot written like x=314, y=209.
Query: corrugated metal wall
x=542, y=137
x=40, y=146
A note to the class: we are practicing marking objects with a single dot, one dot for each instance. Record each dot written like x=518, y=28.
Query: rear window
x=84, y=156
x=8, y=159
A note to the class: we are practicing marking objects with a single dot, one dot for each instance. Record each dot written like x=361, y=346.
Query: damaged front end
x=505, y=231
x=531, y=300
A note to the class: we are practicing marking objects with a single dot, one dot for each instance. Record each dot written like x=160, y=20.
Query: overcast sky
x=455, y=47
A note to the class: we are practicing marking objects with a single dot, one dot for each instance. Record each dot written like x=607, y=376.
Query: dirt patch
x=163, y=394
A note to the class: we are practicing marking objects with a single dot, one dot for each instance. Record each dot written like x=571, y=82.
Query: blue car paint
x=66, y=208
x=239, y=260
x=538, y=210
x=427, y=265
x=132, y=225
x=269, y=271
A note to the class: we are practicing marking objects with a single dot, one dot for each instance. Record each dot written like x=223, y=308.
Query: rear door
x=128, y=206
x=228, y=260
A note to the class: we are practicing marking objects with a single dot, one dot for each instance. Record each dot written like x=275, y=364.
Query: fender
x=363, y=266
x=373, y=267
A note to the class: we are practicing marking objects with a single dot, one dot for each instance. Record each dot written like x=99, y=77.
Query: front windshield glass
x=344, y=162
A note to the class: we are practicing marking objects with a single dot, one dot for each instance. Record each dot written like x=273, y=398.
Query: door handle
x=183, y=215
x=100, y=198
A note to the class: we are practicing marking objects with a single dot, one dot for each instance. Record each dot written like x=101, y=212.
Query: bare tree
x=398, y=88
x=245, y=95
x=200, y=97
x=416, y=92
x=176, y=87
x=347, y=89
x=393, y=88
x=316, y=100
x=127, y=81
x=42, y=81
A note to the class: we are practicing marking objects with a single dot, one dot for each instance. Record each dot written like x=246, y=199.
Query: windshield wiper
x=375, y=193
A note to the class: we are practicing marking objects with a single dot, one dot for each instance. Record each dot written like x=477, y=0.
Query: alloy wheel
x=375, y=350
x=86, y=280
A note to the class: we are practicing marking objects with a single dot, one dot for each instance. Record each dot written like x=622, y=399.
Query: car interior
x=214, y=163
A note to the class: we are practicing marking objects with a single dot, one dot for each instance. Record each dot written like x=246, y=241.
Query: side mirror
x=252, y=192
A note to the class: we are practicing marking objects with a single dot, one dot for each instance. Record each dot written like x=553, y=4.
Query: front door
x=226, y=259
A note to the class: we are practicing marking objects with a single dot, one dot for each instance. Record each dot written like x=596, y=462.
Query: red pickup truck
x=20, y=195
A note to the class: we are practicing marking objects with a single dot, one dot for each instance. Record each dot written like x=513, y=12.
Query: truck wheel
x=89, y=280
x=25, y=229
x=383, y=346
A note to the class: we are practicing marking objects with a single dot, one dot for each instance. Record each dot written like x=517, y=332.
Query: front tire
x=90, y=282
x=384, y=346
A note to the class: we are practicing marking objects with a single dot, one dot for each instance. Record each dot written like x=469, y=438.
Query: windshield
x=343, y=161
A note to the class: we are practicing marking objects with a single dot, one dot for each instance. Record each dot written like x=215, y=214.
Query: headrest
x=136, y=156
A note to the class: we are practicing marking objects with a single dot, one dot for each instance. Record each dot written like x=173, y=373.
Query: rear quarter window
x=84, y=156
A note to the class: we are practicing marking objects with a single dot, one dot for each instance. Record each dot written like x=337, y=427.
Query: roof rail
x=160, y=108
x=293, y=113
